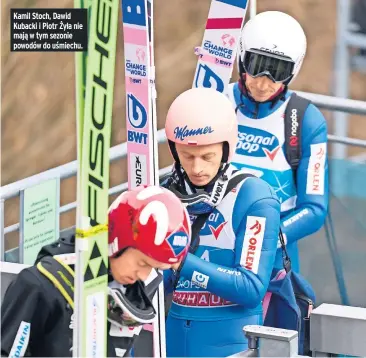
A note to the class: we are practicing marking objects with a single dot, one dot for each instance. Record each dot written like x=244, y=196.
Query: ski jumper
x=261, y=150
x=221, y=285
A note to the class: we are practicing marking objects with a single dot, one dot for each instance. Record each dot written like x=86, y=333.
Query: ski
x=216, y=55
x=141, y=123
x=159, y=342
x=81, y=59
x=95, y=72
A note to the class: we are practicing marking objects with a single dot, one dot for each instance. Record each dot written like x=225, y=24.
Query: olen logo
x=257, y=143
x=253, y=241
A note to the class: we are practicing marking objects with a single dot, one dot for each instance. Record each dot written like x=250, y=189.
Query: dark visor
x=259, y=63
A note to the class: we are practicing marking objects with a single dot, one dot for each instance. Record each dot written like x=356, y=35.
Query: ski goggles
x=129, y=306
x=259, y=63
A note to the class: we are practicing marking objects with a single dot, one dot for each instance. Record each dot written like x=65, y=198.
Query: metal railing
x=120, y=151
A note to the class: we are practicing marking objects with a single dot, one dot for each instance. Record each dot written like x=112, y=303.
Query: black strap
x=285, y=257
x=196, y=228
x=201, y=219
x=153, y=286
x=234, y=181
x=294, y=115
x=61, y=275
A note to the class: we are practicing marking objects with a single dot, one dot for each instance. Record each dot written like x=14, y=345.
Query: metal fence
x=120, y=151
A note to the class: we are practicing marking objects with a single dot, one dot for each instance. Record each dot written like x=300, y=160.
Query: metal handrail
x=335, y=103
x=120, y=151
x=64, y=171
x=346, y=140
x=68, y=207
x=119, y=188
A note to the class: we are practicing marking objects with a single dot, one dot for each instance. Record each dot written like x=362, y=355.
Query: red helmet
x=151, y=219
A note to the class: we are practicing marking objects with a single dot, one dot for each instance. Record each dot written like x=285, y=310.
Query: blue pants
x=207, y=338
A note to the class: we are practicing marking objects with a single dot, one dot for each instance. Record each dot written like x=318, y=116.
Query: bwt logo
x=228, y=40
x=207, y=78
x=257, y=143
x=141, y=55
x=137, y=115
x=183, y=132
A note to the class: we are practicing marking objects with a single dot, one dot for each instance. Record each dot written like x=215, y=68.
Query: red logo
x=203, y=299
x=318, y=170
x=256, y=226
x=252, y=247
x=294, y=141
x=216, y=231
x=140, y=53
x=228, y=40
x=320, y=154
x=271, y=154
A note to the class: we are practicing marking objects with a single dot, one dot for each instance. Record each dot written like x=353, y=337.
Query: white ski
x=216, y=55
x=142, y=153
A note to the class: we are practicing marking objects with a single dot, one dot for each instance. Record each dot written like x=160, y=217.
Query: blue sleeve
x=312, y=180
x=256, y=222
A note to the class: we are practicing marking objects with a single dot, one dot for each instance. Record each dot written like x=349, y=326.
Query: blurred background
x=39, y=123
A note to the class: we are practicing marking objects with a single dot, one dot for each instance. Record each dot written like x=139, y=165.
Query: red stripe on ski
x=224, y=23
x=134, y=36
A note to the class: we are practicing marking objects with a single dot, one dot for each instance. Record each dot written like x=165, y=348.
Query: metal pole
x=252, y=8
x=2, y=224
x=341, y=73
x=341, y=86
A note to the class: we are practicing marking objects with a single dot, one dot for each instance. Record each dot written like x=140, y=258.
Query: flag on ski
x=217, y=54
x=94, y=115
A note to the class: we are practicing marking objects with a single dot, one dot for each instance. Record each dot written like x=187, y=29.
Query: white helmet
x=277, y=36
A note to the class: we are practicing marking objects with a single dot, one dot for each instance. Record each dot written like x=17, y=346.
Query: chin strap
x=189, y=196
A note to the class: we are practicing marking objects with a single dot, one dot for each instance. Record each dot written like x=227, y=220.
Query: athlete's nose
x=262, y=83
x=196, y=166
